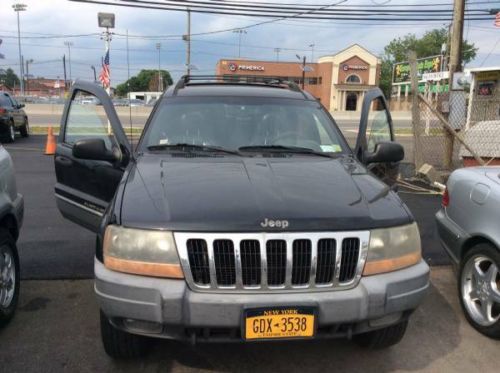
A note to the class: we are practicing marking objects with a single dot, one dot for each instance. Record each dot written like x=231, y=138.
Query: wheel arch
x=475, y=240
x=9, y=222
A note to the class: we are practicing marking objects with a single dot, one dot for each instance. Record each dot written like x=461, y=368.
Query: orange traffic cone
x=50, y=147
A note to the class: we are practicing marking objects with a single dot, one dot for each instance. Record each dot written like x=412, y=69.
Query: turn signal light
x=2, y=110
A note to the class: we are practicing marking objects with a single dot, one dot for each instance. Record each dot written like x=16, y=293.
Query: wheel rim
x=7, y=276
x=12, y=133
x=480, y=290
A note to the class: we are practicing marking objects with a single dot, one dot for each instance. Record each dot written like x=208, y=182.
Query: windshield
x=234, y=123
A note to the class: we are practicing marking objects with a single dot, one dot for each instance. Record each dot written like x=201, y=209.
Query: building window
x=353, y=79
x=312, y=81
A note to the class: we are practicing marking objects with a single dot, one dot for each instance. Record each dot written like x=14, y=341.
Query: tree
x=429, y=44
x=146, y=80
x=9, y=78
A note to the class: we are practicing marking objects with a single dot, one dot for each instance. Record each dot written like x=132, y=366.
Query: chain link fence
x=455, y=129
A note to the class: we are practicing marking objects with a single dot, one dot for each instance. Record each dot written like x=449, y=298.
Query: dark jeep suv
x=241, y=215
x=12, y=118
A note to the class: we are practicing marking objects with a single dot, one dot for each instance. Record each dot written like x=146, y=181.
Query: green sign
x=401, y=72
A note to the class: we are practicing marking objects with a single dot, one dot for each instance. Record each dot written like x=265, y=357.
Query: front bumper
x=171, y=310
x=452, y=237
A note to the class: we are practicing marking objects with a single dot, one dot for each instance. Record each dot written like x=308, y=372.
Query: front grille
x=198, y=260
x=272, y=261
x=276, y=262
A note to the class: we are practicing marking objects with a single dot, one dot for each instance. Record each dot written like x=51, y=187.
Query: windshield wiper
x=282, y=149
x=190, y=147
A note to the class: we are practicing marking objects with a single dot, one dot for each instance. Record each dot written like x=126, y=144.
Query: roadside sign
x=435, y=76
x=401, y=72
x=57, y=84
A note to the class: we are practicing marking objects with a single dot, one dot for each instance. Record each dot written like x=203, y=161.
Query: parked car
x=12, y=118
x=468, y=226
x=11, y=219
x=241, y=215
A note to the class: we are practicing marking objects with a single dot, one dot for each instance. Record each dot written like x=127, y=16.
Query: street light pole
x=240, y=32
x=277, y=50
x=20, y=8
x=27, y=75
x=69, y=44
x=158, y=46
x=312, y=51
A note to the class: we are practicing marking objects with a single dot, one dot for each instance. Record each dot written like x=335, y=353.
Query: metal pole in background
x=69, y=45
x=415, y=111
x=65, y=78
x=128, y=94
x=239, y=32
x=277, y=50
x=28, y=61
x=187, y=39
x=303, y=72
x=312, y=51
x=20, y=8
x=158, y=46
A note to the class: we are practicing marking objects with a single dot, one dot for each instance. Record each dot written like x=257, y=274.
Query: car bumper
x=451, y=235
x=167, y=308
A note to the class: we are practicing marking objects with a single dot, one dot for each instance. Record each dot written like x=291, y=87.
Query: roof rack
x=270, y=81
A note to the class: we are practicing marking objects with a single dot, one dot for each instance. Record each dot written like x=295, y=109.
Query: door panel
x=84, y=187
x=375, y=127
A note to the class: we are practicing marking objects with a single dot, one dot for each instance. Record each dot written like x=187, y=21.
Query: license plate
x=281, y=322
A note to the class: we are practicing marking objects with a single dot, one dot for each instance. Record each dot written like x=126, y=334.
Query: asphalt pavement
x=51, y=247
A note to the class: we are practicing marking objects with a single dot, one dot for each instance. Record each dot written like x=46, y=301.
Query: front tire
x=25, y=129
x=9, y=277
x=479, y=289
x=119, y=344
x=382, y=338
x=10, y=134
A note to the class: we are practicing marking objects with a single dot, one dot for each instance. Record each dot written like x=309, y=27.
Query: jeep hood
x=238, y=193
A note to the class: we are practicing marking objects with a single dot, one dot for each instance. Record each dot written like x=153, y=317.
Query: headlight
x=142, y=252
x=392, y=249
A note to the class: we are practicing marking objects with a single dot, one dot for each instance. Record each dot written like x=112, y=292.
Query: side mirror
x=95, y=149
x=20, y=106
x=385, y=152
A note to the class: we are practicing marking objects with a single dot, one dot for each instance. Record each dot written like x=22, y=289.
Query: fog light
x=141, y=326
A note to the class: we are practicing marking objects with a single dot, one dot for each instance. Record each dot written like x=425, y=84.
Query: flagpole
x=107, y=39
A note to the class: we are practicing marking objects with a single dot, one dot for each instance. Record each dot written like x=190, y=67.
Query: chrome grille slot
x=225, y=269
x=349, y=262
x=272, y=262
x=301, y=267
x=276, y=262
x=250, y=262
x=198, y=260
x=326, y=261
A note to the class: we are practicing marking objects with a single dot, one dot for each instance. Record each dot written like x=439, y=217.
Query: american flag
x=497, y=20
x=104, y=76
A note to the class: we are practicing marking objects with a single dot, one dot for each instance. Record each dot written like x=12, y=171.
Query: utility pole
x=160, y=88
x=20, y=8
x=415, y=112
x=303, y=71
x=456, y=100
x=240, y=32
x=277, y=50
x=69, y=44
x=64, y=68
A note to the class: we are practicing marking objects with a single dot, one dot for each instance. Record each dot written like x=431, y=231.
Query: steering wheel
x=298, y=138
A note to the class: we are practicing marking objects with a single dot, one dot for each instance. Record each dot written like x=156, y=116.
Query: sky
x=62, y=17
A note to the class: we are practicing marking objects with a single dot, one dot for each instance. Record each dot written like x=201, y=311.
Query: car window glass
x=378, y=128
x=87, y=119
x=242, y=121
x=12, y=100
x=4, y=101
